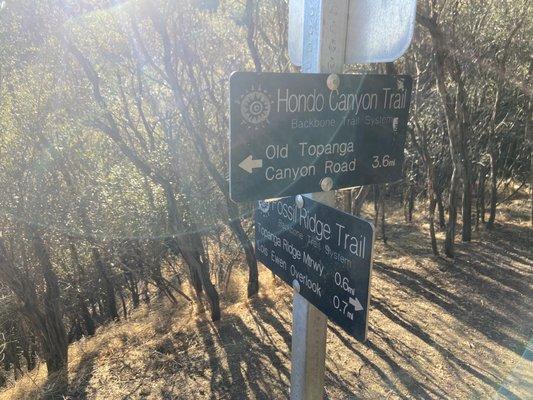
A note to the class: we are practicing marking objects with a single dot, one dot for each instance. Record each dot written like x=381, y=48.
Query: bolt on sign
x=325, y=253
x=301, y=133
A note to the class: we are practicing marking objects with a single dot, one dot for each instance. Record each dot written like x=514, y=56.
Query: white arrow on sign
x=248, y=164
x=356, y=304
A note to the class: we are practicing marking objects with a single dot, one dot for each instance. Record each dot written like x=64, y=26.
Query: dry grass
x=438, y=329
x=121, y=351
x=111, y=343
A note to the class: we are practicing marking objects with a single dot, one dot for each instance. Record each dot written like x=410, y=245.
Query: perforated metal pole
x=325, y=27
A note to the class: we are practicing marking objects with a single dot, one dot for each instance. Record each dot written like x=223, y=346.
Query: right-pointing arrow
x=248, y=164
x=356, y=304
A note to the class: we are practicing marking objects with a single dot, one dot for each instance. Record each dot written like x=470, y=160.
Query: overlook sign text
x=288, y=132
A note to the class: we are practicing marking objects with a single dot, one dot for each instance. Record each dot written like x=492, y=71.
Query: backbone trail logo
x=255, y=108
x=264, y=206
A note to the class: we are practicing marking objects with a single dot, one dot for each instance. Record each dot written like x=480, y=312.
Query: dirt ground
x=438, y=330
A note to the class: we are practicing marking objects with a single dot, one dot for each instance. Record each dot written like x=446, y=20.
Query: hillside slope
x=437, y=330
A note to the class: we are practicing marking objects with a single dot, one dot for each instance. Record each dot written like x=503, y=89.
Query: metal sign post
x=325, y=28
x=293, y=133
x=378, y=31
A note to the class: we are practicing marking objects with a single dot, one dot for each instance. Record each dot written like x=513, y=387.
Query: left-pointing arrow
x=248, y=164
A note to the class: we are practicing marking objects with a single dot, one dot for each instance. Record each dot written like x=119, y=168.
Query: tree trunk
x=191, y=248
x=11, y=355
x=408, y=198
x=131, y=282
x=86, y=316
x=480, y=204
x=145, y=294
x=101, y=308
x=375, y=193
x=452, y=214
x=210, y=290
x=28, y=352
x=249, y=252
x=493, y=189
x=423, y=149
x=528, y=133
x=82, y=305
x=529, y=138
x=347, y=200
x=53, y=335
x=359, y=200
x=109, y=287
x=188, y=246
x=454, y=104
x=382, y=206
x=193, y=275
x=466, y=234
x=440, y=208
x=410, y=203
x=432, y=203
x=123, y=302
x=135, y=299
x=57, y=379
x=379, y=209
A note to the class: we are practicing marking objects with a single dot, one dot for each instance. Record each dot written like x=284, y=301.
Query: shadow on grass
x=252, y=362
x=416, y=330
x=463, y=308
x=263, y=317
x=84, y=373
x=492, y=276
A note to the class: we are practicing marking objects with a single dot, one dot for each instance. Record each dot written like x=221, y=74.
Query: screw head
x=333, y=82
x=326, y=184
x=299, y=201
x=296, y=285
